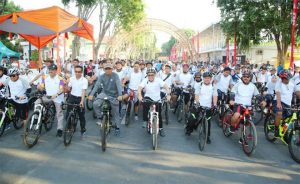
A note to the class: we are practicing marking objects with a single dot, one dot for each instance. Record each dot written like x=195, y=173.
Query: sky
x=193, y=14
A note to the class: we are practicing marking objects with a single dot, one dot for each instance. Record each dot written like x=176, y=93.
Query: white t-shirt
x=17, y=89
x=296, y=80
x=262, y=78
x=152, y=89
x=286, y=91
x=185, y=78
x=78, y=85
x=54, y=86
x=121, y=74
x=271, y=85
x=244, y=93
x=135, y=80
x=205, y=93
x=168, y=80
x=223, y=82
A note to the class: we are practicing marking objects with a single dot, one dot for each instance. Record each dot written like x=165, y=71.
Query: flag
x=294, y=21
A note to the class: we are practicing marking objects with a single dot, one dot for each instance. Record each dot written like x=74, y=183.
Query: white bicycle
x=153, y=122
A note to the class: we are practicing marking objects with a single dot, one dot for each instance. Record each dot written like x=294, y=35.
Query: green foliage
x=258, y=21
x=34, y=55
x=7, y=8
x=167, y=47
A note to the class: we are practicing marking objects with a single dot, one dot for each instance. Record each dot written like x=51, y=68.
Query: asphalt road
x=130, y=159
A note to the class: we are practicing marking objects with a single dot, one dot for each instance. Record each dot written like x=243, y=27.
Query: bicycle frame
x=289, y=121
x=37, y=108
x=153, y=114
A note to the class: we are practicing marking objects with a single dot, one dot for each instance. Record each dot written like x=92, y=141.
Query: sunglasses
x=78, y=71
x=151, y=75
x=13, y=75
x=248, y=77
x=107, y=68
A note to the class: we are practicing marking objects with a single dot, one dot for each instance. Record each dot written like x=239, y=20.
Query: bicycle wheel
x=32, y=130
x=257, y=117
x=269, y=127
x=104, y=132
x=154, y=132
x=17, y=123
x=2, y=125
x=249, y=137
x=89, y=104
x=221, y=111
x=127, y=113
x=69, y=130
x=226, y=122
x=180, y=112
x=50, y=118
x=294, y=144
x=166, y=108
x=202, y=133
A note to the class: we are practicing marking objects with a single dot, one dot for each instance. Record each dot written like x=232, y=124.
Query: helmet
x=168, y=65
x=13, y=71
x=52, y=67
x=198, y=74
x=151, y=70
x=285, y=74
x=206, y=74
x=247, y=72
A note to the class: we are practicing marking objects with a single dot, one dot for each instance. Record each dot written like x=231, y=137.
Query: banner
x=198, y=43
x=294, y=21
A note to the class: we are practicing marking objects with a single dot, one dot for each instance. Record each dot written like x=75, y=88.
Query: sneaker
x=59, y=133
x=276, y=132
x=144, y=124
x=208, y=141
x=117, y=131
x=162, y=132
x=7, y=127
x=232, y=129
x=82, y=134
x=98, y=123
x=136, y=118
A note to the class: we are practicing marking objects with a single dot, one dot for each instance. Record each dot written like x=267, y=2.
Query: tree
x=7, y=7
x=167, y=47
x=121, y=14
x=85, y=10
x=255, y=22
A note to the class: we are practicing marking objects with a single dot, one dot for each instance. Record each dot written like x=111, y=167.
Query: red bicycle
x=248, y=136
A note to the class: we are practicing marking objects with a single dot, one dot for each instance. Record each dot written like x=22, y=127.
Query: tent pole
x=93, y=51
x=39, y=65
x=57, y=59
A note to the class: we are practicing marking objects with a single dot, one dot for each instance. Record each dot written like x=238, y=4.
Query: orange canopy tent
x=41, y=26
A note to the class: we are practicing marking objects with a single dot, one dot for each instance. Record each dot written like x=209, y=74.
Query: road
x=130, y=159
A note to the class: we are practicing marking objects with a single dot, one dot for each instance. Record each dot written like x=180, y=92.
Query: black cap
x=52, y=67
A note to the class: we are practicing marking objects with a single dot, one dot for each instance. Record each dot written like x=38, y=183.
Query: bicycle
x=43, y=114
x=180, y=107
x=89, y=103
x=165, y=109
x=72, y=120
x=130, y=103
x=8, y=115
x=106, y=124
x=153, y=122
x=289, y=131
x=222, y=106
x=248, y=130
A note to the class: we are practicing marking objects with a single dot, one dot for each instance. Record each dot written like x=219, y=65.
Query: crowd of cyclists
x=201, y=83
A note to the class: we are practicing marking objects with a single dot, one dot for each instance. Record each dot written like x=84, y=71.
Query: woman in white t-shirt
x=152, y=86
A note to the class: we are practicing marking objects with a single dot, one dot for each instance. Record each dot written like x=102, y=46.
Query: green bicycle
x=289, y=132
x=8, y=115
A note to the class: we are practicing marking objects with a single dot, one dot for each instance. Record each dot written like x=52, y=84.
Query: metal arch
x=150, y=24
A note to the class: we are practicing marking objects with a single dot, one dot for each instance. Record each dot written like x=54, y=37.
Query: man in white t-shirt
x=78, y=85
x=166, y=76
x=44, y=71
x=152, y=86
x=284, y=90
x=243, y=92
x=135, y=77
x=19, y=90
x=53, y=84
x=223, y=82
x=183, y=80
x=206, y=94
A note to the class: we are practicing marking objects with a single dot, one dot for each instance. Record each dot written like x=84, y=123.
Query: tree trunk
x=75, y=47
